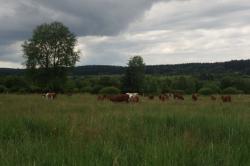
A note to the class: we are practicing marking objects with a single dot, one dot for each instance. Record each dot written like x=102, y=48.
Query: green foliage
x=96, y=88
x=151, y=86
x=178, y=91
x=239, y=82
x=86, y=89
x=34, y=89
x=49, y=53
x=133, y=79
x=3, y=89
x=186, y=84
x=206, y=91
x=110, y=91
x=213, y=86
x=14, y=82
x=69, y=86
x=231, y=90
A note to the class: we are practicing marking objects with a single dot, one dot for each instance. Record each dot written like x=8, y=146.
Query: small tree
x=133, y=79
x=49, y=54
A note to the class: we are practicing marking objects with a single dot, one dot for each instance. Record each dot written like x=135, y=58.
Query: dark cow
x=226, y=99
x=213, y=98
x=151, y=97
x=194, y=97
x=178, y=96
x=162, y=97
x=119, y=98
x=101, y=97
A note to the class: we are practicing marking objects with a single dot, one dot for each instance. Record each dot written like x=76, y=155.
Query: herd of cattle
x=134, y=97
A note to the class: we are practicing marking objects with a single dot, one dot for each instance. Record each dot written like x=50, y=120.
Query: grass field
x=78, y=130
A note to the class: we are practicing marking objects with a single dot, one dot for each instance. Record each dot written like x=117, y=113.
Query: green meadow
x=79, y=130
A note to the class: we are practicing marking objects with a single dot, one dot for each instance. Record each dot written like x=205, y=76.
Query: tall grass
x=80, y=130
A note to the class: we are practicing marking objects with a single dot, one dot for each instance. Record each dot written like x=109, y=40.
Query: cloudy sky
x=111, y=31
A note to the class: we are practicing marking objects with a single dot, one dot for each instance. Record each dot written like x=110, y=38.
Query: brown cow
x=178, y=96
x=50, y=96
x=151, y=97
x=194, y=97
x=101, y=97
x=119, y=98
x=167, y=96
x=213, y=98
x=226, y=99
x=134, y=99
x=162, y=98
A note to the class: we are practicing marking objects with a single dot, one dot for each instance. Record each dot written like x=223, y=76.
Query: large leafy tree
x=133, y=79
x=49, y=54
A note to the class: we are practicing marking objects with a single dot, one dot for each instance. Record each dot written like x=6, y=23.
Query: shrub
x=22, y=90
x=34, y=89
x=178, y=91
x=206, y=91
x=110, y=91
x=96, y=89
x=3, y=89
x=86, y=89
x=231, y=90
x=75, y=90
x=213, y=86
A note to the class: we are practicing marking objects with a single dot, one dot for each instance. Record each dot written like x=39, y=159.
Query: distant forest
x=236, y=66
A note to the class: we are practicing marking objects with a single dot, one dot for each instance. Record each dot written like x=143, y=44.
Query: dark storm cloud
x=84, y=17
x=110, y=31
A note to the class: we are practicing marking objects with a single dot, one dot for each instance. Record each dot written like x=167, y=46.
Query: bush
x=86, y=89
x=3, y=89
x=110, y=91
x=34, y=89
x=179, y=91
x=206, y=91
x=231, y=90
x=213, y=86
x=22, y=90
x=96, y=89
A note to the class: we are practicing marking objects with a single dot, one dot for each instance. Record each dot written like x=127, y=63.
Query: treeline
x=237, y=66
x=203, y=84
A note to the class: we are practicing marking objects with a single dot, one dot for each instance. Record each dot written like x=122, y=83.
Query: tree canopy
x=50, y=53
x=133, y=80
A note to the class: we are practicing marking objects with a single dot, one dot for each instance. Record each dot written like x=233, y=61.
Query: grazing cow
x=213, y=98
x=151, y=97
x=167, y=96
x=194, y=97
x=134, y=99
x=226, y=99
x=132, y=94
x=119, y=98
x=50, y=96
x=163, y=97
x=101, y=98
x=178, y=96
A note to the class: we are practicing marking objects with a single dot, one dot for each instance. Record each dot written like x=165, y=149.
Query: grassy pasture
x=80, y=130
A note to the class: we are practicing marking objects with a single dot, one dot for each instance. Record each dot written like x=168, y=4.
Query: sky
x=109, y=32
